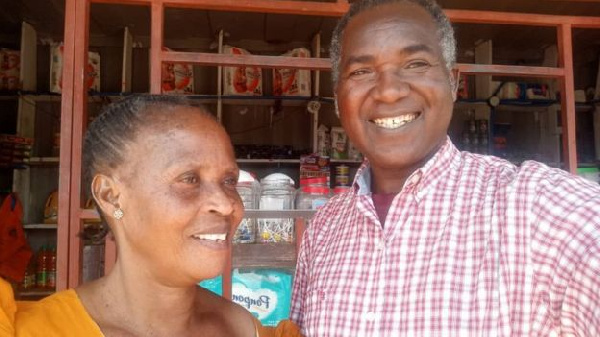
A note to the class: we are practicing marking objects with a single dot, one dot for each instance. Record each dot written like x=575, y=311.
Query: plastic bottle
x=51, y=272
x=42, y=268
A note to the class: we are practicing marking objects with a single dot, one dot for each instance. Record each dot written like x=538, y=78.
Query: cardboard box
x=92, y=71
x=241, y=80
x=292, y=82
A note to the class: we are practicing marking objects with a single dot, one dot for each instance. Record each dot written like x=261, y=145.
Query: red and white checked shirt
x=473, y=246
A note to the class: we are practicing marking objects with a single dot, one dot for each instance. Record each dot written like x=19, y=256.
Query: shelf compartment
x=40, y=226
x=264, y=255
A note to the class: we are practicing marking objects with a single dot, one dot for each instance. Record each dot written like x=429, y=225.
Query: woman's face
x=179, y=198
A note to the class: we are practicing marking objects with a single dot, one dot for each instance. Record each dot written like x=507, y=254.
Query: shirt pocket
x=316, y=315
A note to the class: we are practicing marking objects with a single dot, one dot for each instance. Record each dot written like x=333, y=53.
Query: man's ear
x=454, y=81
x=105, y=191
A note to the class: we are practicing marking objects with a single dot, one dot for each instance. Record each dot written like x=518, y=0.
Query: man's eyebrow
x=409, y=50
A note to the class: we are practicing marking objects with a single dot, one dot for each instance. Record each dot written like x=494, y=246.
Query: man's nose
x=391, y=85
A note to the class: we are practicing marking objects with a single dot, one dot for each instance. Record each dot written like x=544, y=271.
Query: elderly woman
x=163, y=174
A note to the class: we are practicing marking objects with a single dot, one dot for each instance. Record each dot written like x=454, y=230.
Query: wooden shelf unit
x=74, y=98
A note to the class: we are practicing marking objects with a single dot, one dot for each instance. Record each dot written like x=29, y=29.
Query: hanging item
x=15, y=252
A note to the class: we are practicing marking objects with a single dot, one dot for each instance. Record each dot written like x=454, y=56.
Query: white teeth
x=212, y=237
x=395, y=122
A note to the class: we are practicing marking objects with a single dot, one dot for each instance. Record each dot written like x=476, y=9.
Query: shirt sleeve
x=300, y=282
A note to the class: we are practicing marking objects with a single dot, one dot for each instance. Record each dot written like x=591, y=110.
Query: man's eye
x=418, y=65
x=358, y=72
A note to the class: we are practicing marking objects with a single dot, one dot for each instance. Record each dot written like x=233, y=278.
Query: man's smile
x=395, y=122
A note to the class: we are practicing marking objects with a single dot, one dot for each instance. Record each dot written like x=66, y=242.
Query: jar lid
x=313, y=181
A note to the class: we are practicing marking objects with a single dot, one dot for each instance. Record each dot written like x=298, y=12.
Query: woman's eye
x=231, y=181
x=190, y=179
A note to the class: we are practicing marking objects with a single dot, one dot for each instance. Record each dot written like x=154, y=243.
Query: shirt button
x=380, y=245
x=370, y=316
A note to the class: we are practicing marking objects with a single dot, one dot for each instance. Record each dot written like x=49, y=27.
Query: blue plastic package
x=266, y=293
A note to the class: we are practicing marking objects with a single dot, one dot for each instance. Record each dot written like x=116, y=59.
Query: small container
x=276, y=194
x=312, y=197
x=342, y=170
x=342, y=180
x=246, y=230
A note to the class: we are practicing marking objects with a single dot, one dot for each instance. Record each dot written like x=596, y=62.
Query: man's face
x=394, y=94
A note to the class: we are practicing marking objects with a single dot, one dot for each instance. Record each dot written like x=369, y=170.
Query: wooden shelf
x=43, y=161
x=35, y=292
x=40, y=226
x=346, y=161
x=268, y=161
x=264, y=255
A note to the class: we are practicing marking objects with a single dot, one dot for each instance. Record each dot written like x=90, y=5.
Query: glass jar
x=312, y=197
x=276, y=195
x=246, y=230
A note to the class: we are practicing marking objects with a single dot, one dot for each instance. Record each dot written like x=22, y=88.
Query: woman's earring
x=118, y=213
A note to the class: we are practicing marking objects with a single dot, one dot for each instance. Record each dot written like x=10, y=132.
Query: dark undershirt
x=382, y=204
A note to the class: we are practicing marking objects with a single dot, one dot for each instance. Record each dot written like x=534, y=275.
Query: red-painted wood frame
x=74, y=98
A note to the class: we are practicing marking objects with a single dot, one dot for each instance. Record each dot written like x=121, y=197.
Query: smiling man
x=431, y=241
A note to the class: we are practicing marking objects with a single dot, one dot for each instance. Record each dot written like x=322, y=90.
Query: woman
x=163, y=175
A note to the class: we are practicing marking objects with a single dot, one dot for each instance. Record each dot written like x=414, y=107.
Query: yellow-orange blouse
x=63, y=314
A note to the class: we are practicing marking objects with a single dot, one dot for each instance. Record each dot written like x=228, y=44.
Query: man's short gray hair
x=444, y=29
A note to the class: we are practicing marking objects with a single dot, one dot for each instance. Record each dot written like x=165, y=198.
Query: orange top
x=8, y=307
x=63, y=314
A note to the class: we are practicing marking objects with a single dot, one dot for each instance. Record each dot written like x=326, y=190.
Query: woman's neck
x=130, y=299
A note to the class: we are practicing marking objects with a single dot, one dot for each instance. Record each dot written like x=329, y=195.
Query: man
x=431, y=241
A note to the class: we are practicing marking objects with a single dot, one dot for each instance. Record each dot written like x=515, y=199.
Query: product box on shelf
x=242, y=80
x=292, y=82
x=92, y=71
x=15, y=150
x=266, y=293
x=10, y=67
x=177, y=78
x=314, y=166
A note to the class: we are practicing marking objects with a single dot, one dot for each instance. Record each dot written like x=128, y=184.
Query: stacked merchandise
x=242, y=80
x=15, y=151
x=10, y=68
x=41, y=271
x=92, y=70
x=177, y=78
x=335, y=143
x=475, y=136
x=292, y=82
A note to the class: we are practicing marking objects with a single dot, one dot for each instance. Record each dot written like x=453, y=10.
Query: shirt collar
x=423, y=177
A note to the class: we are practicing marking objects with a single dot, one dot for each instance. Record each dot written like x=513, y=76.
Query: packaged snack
x=323, y=141
x=338, y=143
x=266, y=293
x=92, y=70
x=242, y=80
x=292, y=82
x=177, y=78
x=10, y=64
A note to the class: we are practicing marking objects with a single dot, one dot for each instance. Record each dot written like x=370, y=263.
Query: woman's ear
x=105, y=191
